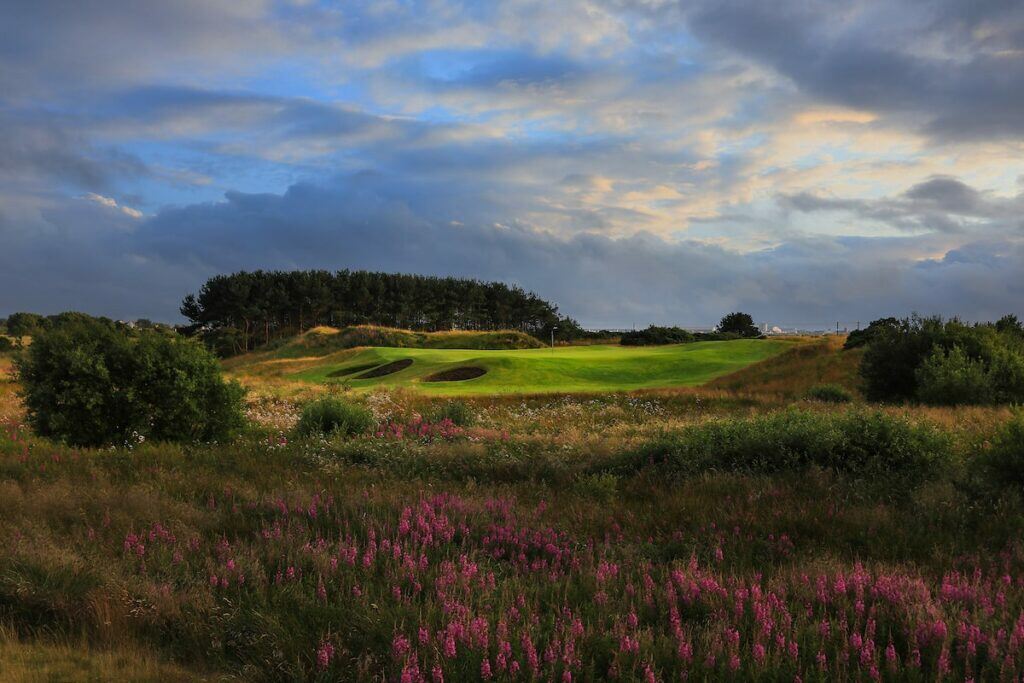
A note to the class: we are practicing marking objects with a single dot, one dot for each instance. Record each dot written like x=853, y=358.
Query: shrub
x=330, y=415
x=946, y=362
x=603, y=486
x=952, y=379
x=1006, y=376
x=458, y=412
x=1003, y=463
x=829, y=393
x=6, y=344
x=863, y=337
x=655, y=335
x=25, y=324
x=857, y=442
x=88, y=382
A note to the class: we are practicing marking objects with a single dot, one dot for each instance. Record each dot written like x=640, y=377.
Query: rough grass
x=144, y=552
x=518, y=533
x=39, y=661
x=802, y=367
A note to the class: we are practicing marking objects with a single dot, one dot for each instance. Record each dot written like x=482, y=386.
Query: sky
x=636, y=162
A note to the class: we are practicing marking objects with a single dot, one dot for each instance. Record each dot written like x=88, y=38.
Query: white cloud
x=112, y=204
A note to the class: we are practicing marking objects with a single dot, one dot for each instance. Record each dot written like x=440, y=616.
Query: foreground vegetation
x=769, y=525
x=625, y=537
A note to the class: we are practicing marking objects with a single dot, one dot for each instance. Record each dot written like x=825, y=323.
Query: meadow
x=718, y=532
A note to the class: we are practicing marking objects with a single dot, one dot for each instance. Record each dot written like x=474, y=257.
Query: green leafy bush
x=655, y=335
x=330, y=415
x=458, y=412
x=863, y=443
x=89, y=382
x=944, y=362
x=829, y=393
x=859, y=338
x=1003, y=463
x=6, y=344
x=23, y=324
x=951, y=378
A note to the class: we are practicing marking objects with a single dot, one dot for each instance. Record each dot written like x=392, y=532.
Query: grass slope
x=562, y=370
x=791, y=374
x=322, y=341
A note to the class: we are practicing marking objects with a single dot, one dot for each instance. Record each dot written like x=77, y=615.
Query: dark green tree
x=739, y=324
x=89, y=382
x=23, y=324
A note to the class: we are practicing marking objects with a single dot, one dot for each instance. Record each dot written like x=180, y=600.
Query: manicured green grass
x=563, y=369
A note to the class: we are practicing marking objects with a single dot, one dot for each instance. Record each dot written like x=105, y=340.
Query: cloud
x=657, y=160
x=112, y=204
x=953, y=69
x=601, y=280
x=940, y=204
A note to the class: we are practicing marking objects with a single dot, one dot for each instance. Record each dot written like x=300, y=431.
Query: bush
x=25, y=324
x=1003, y=463
x=857, y=442
x=88, y=382
x=952, y=379
x=6, y=344
x=329, y=416
x=457, y=411
x=945, y=362
x=829, y=393
x=655, y=335
x=859, y=338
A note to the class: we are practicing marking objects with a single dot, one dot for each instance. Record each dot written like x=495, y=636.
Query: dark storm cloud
x=531, y=142
x=50, y=46
x=939, y=204
x=43, y=148
x=954, y=69
x=600, y=280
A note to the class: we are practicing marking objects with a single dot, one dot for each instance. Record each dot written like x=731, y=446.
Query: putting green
x=562, y=369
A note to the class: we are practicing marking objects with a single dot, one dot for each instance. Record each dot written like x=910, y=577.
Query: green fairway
x=563, y=369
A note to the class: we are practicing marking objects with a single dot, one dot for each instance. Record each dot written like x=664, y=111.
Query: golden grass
x=10, y=404
x=31, y=661
x=791, y=374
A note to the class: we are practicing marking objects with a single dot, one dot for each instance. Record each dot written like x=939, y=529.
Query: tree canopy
x=240, y=311
x=91, y=382
x=738, y=323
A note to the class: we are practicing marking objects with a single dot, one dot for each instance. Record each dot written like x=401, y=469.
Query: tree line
x=240, y=311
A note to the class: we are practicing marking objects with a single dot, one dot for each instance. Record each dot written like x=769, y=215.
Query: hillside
x=791, y=374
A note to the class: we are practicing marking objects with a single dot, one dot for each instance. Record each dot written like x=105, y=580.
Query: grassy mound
x=798, y=371
x=323, y=341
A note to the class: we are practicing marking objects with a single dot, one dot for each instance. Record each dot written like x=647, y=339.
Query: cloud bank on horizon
x=647, y=161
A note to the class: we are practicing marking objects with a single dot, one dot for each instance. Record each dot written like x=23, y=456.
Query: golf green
x=530, y=371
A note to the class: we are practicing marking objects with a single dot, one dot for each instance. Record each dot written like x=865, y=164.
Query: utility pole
x=837, y=327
